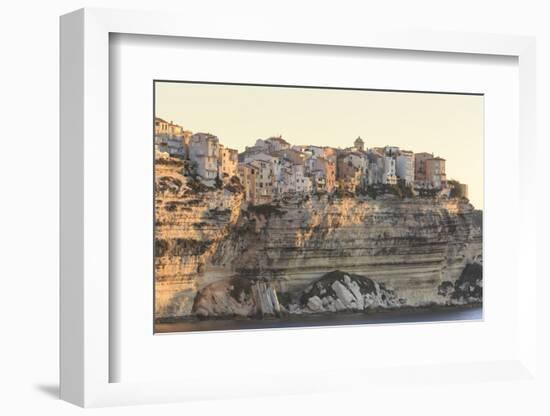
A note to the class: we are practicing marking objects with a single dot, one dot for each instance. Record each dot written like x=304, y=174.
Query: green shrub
x=400, y=190
x=393, y=190
x=372, y=192
x=405, y=190
x=458, y=190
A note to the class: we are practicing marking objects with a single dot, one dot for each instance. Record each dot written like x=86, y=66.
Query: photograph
x=235, y=208
x=280, y=206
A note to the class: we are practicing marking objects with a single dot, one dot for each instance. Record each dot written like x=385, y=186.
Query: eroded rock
x=468, y=288
x=237, y=296
x=340, y=291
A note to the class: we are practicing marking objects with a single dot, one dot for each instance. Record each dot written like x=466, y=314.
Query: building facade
x=228, y=160
x=170, y=138
x=436, y=177
x=247, y=177
x=351, y=170
x=264, y=181
x=389, y=177
x=204, y=151
x=272, y=167
x=404, y=166
x=322, y=172
x=429, y=171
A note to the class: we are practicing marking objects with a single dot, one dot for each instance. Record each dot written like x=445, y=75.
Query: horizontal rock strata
x=205, y=237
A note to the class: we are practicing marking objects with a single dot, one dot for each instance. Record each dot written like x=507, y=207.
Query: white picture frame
x=85, y=220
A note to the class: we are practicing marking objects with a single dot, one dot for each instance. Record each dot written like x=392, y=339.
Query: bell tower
x=359, y=144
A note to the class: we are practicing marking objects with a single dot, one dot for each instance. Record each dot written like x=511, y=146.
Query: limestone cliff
x=208, y=241
x=191, y=220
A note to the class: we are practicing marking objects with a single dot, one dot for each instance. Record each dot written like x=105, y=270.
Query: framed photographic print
x=292, y=208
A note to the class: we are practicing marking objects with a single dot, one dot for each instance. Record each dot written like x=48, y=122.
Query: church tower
x=359, y=144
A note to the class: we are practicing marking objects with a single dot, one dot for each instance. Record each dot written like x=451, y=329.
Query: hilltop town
x=273, y=167
x=281, y=229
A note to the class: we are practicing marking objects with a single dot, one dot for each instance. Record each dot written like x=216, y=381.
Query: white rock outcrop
x=340, y=291
x=236, y=296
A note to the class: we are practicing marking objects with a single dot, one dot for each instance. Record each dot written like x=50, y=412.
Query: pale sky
x=447, y=125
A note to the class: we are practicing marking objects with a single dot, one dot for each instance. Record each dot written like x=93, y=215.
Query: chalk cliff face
x=216, y=256
x=191, y=220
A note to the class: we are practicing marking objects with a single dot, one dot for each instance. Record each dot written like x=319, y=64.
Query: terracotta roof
x=353, y=153
x=292, y=155
x=278, y=139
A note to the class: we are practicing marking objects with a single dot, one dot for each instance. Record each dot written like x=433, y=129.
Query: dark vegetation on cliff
x=173, y=206
x=181, y=247
x=400, y=190
x=234, y=185
x=170, y=162
x=198, y=187
x=458, y=189
x=467, y=288
x=266, y=210
x=169, y=184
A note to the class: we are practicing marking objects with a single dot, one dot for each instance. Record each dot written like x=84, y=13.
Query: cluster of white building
x=211, y=159
x=273, y=167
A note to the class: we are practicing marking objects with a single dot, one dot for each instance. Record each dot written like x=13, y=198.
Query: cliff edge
x=394, y=251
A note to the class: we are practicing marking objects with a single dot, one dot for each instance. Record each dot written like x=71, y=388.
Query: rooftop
x=278, y=139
